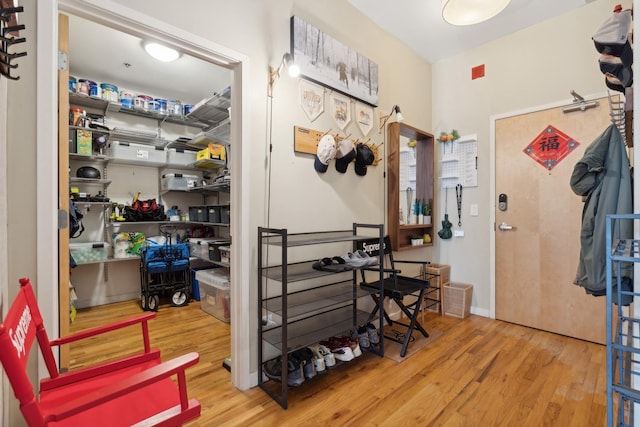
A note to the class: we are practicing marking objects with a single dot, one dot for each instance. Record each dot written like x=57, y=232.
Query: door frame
x=492, y=184
x=121, y=18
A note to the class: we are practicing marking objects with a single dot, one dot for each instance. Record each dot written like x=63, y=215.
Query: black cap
x=364, y=157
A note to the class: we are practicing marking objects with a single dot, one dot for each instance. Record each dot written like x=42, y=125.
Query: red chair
x=134, y=389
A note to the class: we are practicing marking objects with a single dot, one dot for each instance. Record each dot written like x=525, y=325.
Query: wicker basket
x=457, y=299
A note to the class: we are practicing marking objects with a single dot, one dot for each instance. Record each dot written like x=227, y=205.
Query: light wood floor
x=480, y=372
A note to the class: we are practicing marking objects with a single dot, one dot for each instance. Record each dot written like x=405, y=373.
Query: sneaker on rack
x=295, y=375
x=371, y=260
x=374, y=338
x=354, y=343
x=324, y=353
x=354, y=260
x=341, y=350
x=363, y=337
x=273, y=369
x=306, y=355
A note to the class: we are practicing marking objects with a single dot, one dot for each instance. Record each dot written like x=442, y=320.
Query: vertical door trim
x=492, y=187
x=117, y=16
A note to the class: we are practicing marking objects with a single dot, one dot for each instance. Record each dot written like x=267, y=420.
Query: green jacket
x=603, y=178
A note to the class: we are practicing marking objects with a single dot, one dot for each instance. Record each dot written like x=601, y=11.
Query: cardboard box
x=84, y=143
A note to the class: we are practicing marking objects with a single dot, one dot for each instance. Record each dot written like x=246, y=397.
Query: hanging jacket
x=603, y=178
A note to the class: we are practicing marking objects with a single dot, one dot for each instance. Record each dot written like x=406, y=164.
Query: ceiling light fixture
x=160, y=52
x=469, y=12
x=274, y=73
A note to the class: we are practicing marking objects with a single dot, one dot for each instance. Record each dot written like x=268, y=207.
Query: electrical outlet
x=474, y=210
x=458, y=233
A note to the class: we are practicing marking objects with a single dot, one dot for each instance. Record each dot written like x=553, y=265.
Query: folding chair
x=132, y=390
x=396, y=287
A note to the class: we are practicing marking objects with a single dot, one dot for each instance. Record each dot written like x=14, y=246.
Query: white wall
x=532, y=67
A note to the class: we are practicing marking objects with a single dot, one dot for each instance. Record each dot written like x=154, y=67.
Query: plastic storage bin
x=84, y=253
x=225, y=254
x=214, y=249
x=178, y=181
x=225, y=214
x=200, y=247
x=177, y=157
x=215, y=296
x=198, y=213
x=213, y=214
x=137, y=153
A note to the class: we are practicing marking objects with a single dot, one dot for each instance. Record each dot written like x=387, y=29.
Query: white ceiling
x=100, y=53
x=419, y=23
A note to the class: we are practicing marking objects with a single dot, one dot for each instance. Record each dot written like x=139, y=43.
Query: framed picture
x=325, y=60
x=311, y=99
x=364, y=117
x=340, y=107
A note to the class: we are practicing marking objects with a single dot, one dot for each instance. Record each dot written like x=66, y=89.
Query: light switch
x=474, y=210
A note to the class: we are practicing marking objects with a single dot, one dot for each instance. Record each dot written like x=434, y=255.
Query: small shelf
x=180, y=224
x=316, y=328
x=298, y=271
x=109, y=260
x=212, y=110
x=89, y=181
x=220, y=134
x=147, y=138
x=303, y=239
x=92, y=158
x=449, y=160
x=307, y=303
x=81, y=203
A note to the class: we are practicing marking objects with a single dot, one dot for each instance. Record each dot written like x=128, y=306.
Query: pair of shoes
x=305, y=355
x=323, y=353
x=371, y=260
x=273, y=369
x=362, y=334
x=335, y=264
x=374, y=338
x=354, y=260
x=344, y=348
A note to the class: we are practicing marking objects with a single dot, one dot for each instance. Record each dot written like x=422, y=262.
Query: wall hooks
x=9, y=36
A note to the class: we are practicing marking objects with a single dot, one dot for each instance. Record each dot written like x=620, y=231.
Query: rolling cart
x=164, y=270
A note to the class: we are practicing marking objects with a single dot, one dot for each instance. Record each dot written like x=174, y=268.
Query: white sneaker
x=344, y=354
x=322, y=352
x=371, y=260
x=354, y=260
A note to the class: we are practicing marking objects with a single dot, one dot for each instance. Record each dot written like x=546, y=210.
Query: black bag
x=144, y=210
x=75, y=220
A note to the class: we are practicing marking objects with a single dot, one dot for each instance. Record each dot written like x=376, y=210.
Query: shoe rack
x=299, y=306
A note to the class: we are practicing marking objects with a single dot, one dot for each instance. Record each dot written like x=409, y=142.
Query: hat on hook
x=344, y=155
x=325, y=152
x=364, y=158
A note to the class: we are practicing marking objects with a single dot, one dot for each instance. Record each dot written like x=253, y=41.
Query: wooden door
x=63, y=187
x=536, y=261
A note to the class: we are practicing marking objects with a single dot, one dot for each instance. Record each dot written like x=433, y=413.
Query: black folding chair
x=396, y=287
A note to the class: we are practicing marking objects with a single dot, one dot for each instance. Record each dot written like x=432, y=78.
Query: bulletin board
x=459, y=162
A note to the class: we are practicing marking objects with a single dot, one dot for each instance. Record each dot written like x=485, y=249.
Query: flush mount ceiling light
x=160, y=52
x=469, y=12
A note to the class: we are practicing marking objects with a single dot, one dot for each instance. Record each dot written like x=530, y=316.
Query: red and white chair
x=138, y=389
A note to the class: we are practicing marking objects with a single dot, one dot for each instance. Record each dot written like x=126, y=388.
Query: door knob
x=505, y=227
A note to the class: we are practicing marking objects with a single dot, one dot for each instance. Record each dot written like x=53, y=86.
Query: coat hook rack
x=9, y=36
